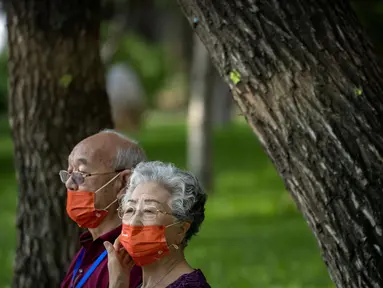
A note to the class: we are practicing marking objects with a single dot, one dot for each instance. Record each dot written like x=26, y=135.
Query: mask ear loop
x=106, y=184
x=174, y=245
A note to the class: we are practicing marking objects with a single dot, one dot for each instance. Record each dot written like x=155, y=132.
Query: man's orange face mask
x=80, y=207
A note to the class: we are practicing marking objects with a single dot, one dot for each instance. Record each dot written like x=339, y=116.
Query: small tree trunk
x=222, y=102
x=142, y=18
x=57, y=98
x=311, y=88
x=199, y=122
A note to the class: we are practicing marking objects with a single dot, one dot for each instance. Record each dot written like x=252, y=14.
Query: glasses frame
x=121, y=213
x=83, y=175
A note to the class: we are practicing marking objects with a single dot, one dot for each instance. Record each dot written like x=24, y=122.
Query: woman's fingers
x=117, y=244
x=110, y=249
x=118, y=274
x=126, y=259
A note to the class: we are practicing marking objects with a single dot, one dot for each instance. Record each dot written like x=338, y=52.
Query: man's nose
x=71, y=185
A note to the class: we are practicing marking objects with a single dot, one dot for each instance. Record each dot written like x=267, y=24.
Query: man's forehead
x=89, y=154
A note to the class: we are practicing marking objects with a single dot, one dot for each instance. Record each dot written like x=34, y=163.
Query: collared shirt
x=100, y=276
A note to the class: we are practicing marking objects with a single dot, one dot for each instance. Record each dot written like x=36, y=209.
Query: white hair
x=188, y=196
x=126, y=157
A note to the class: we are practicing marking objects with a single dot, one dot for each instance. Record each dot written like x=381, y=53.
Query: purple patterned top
x=195, y=279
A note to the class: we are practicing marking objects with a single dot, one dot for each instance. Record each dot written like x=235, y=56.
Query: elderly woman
x=161, y=210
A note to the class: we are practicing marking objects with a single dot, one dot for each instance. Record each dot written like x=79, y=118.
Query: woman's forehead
x=150, y=192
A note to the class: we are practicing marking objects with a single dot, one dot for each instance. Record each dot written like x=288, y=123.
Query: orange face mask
x=145, y=244
x=80, y=207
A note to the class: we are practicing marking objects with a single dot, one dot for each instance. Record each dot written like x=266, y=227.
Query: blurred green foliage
x=147, y=59
x=152, y=65
x=370, y=13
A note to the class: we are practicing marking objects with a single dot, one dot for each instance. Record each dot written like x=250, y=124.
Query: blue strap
x=91, y=269
x=77, y=265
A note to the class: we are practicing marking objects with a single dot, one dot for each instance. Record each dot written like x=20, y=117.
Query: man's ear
x=125, y=176
x=125, y=179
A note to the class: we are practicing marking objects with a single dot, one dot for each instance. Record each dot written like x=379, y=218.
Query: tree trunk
x=57, y=97
x=199, y=115
x=222, y=102
x=311, y=88
x=142, y=18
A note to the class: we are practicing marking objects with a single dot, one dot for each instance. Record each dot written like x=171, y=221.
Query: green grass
x=252, y=236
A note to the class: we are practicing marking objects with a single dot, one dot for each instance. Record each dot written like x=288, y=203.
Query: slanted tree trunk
x=311, y=89
x=199, y=115
x=57, y=97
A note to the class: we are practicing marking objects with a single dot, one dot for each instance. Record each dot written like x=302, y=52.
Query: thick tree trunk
x=57, y=97
x=311, y=88
x=199, y=115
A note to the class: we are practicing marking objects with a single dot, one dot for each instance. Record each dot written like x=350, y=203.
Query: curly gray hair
x=188, y=196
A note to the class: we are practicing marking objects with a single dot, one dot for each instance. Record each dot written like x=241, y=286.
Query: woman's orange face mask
x=145, y=244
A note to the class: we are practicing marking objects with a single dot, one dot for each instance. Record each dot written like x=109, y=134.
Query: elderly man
x=99, y=168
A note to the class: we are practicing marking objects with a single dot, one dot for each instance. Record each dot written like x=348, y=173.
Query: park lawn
x=252, y=236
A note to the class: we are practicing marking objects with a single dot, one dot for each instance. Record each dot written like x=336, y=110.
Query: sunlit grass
x=252, y=236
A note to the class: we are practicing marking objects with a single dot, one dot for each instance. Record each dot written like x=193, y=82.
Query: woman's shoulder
x=195, y=279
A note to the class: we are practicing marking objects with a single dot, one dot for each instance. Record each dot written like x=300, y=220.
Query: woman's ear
x=185, y=227
x=182, y=232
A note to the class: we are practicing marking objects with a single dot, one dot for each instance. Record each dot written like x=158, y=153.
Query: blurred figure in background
x=126, y=97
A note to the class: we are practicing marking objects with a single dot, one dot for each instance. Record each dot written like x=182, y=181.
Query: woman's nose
x=136, y=220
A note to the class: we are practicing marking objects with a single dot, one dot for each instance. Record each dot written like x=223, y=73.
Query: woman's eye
x=148, y=211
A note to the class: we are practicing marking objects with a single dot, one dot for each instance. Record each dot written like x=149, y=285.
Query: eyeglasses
x=79, y=177
x=148, y=213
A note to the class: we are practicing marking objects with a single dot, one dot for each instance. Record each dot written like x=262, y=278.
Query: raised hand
x=119, y=265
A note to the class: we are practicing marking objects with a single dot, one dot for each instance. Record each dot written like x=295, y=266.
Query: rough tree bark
x=311, y=89
x=57, y=97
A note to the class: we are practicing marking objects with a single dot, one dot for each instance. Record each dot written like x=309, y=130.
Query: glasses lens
x=146, y=214
x=64, y=176
x=77, y=177
x=149, y=213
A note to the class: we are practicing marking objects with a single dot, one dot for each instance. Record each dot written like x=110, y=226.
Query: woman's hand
x=119, y=265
